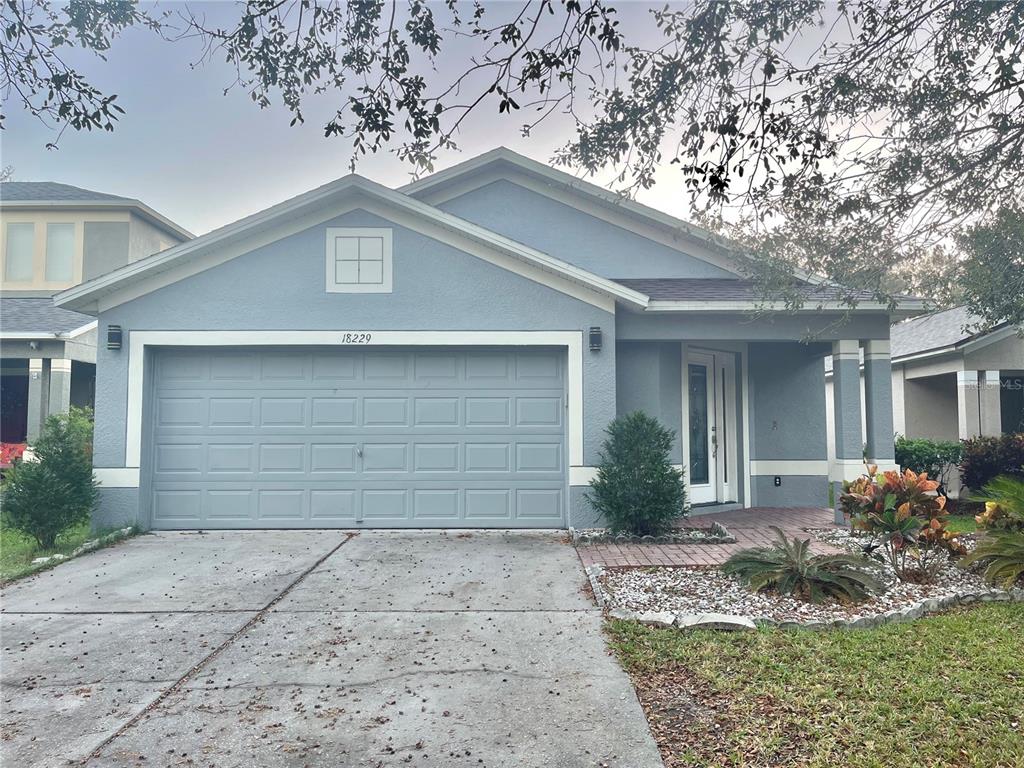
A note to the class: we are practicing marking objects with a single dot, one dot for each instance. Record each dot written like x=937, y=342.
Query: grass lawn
x=941, y=691
x=962, y=524
x=18, y=550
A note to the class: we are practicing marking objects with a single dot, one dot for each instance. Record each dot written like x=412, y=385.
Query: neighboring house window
x=60, y=253
x=20, y=251
x=358, y=260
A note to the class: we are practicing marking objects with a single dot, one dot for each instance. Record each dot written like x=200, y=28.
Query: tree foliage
x=854, y=140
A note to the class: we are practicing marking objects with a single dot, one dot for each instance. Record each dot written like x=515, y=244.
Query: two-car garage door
x=357, y=436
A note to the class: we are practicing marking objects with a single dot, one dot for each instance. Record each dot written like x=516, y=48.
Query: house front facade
x=449, y=354
x=52, y=237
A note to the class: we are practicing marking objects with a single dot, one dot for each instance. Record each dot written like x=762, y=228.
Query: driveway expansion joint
x=191, y=673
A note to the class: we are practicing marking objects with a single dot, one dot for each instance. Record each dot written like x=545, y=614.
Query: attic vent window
x=358, y=260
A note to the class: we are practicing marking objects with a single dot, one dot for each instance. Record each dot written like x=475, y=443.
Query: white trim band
x=60, y=365
x=761, y=468
x=117, y=477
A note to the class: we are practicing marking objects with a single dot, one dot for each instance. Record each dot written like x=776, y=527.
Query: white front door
x=710, y=386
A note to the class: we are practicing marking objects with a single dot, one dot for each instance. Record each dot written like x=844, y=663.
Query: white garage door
x=358, y=437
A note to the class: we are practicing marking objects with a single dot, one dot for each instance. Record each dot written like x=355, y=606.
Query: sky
x=205, y=159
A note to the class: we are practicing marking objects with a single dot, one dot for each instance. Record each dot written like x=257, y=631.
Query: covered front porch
x=745, y=394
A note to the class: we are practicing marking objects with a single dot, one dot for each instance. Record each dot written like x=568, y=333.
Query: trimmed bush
x=637, y=489
x=45, y=497
x=936, y=458
x=986, y=458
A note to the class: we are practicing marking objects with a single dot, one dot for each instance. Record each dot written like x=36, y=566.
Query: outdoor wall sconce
x=595, y=339
x=114, y=335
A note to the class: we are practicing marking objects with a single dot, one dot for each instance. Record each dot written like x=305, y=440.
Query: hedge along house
x=449, y=355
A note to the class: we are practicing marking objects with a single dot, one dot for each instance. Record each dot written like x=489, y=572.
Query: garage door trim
x=138, y=341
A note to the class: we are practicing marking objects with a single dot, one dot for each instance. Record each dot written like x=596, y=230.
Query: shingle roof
x=38, y=315
x=715, y=289
x=933, y=331
x=27, y=191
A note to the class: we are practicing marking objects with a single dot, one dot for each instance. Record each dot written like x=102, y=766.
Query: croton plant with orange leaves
x=907, y=517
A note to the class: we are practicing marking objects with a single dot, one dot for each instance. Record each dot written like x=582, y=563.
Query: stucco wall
x=572, y=235
x=281, y=287
x=649, y=379
x=788, y=421
x=146, y=239
x=930, y=407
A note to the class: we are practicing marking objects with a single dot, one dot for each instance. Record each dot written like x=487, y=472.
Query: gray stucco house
x=448, y=354
x=55, y=236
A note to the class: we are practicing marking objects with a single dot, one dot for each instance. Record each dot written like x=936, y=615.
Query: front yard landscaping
x=941, y=691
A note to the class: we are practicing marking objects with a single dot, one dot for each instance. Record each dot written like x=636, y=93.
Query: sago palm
x=791, y=569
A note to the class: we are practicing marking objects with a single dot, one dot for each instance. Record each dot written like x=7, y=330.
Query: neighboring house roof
x=318, y=202
x=36, y=195
x=51, y=190
x=39, y=318
x=935, y=331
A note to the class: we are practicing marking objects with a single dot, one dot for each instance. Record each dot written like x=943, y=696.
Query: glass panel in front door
x=699, y=430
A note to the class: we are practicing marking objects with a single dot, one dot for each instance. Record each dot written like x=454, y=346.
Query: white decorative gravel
x=708, y=590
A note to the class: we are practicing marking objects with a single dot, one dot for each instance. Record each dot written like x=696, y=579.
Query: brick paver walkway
x=749, y=526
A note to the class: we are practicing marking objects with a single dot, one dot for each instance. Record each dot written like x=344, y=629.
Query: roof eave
x=137, y=206
x=84, y=297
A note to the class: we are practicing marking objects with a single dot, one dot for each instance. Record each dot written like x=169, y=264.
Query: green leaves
x=789, y=568
x=637, y=490
x=42, y=498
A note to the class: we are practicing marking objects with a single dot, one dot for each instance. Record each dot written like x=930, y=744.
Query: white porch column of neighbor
x=35, y=398
x=878, y=404
x=60, y=386
x=968, y=405
x=989, y=415
x=849, y=446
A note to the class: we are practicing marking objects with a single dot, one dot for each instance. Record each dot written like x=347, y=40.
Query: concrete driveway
x=314, y=648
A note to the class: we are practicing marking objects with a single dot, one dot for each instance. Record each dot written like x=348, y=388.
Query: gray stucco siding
x=280, y=286
x=743, y=326
x=787, y=396
x=649, y=379
x=572, y=235
x=795, y=491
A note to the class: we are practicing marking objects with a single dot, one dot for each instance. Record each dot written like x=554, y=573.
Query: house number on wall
x=356, y=338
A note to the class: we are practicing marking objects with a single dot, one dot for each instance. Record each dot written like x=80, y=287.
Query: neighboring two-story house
x=55, y=236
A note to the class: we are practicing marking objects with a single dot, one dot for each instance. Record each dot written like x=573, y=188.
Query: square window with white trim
x=358, y=260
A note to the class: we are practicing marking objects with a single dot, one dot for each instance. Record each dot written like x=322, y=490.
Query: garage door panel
x=403, y=438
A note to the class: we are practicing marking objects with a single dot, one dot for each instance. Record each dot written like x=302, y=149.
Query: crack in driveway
x=181, y=681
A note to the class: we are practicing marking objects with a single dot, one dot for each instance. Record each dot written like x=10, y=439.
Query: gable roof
x=38, y=318
x=935, y=331
x=51, y=195
x=50, y=190
x=87, y=295
x=503, y=157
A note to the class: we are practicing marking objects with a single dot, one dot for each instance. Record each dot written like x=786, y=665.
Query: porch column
x=968, y=406
x=60, y=386
x=846, y=407
x=989, y=416
x=35, y=398
x=878, y=403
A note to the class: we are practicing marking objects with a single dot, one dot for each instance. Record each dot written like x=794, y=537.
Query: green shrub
x=44, y=497
x=637, y=489
x=790, y=569
x=937, y=458
x=1004, y=504
x=1002, y=551
x=1001, y=547
x=986, y=458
